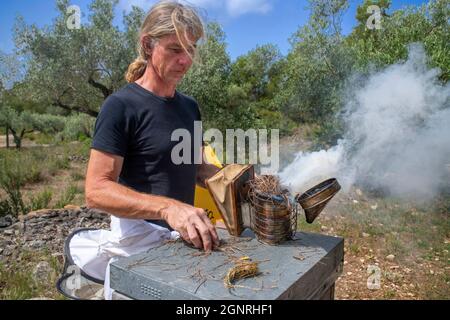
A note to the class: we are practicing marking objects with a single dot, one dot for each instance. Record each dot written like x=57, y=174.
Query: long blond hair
x=165, y=18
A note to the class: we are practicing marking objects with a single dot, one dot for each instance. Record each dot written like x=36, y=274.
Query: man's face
x=170, y=60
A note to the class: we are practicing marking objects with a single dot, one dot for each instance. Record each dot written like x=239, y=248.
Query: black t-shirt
x=137, y=125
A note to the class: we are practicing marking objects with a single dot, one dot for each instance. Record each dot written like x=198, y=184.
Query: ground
x=403, y=247
x=407, y=246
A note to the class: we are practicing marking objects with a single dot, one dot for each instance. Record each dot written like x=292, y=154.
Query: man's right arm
x=105, y=193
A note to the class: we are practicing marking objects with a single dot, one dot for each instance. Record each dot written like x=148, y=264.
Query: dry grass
x=17, y=280
x=408, y=243
x=48, y=175
x=415, y=237
x=243, y=268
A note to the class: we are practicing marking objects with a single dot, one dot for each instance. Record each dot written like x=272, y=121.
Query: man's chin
x=177, y=80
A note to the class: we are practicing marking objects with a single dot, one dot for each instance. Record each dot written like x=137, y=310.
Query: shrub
x=5, y=208
x=67, y=197
x=12, y=179
x=41, y=200
x=78, y=128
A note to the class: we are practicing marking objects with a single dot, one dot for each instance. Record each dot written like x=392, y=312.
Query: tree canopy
x=71, y=71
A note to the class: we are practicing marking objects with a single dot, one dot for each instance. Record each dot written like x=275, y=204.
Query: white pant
x=93, y=251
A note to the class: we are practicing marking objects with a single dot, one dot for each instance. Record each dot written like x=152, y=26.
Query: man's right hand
x=193, y=225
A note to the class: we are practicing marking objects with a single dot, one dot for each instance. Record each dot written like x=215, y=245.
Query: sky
x=247, y=23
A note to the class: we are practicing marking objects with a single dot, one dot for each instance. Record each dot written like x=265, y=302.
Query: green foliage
x=254, y=71
x=239, y=94
x=21, y=123
x=67, y=197
x=362, y=16
x=208, y=78
x=41, y=200
x=12, y=178
x=18, y=168
x=78, y=127
x=427, y=24
x=76, y=176
x=17, y=280
x=72, y=128
x=14, y=204
x=6, y=208
x=17, y=99
x=326, y=134
x=317, y=67
x=77, y=69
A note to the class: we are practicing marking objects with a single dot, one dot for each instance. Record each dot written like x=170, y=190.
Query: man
x=130, y=173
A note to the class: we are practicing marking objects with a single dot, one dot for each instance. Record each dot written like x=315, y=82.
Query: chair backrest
x=74, y=283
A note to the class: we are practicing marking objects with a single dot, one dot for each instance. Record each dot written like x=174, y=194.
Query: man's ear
x=148, y=45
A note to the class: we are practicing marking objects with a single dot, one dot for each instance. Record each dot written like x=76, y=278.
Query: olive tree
x=77, y=68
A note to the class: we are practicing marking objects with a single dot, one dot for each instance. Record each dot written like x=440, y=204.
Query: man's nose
x=184, y=59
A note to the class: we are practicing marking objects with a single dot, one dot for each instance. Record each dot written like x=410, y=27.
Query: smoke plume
x=397, y=138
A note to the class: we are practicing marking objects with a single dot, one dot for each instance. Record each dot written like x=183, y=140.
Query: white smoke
x=397, y=139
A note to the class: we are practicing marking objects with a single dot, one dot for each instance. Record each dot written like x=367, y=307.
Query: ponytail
x=136, y=70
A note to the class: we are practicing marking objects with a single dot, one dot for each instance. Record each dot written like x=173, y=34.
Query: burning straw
x=267, y=184
x=274, y=219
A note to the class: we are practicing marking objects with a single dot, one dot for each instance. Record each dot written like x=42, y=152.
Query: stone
x=42, y=272
x=52, y=214
x=8, y=232
x=16, y=226
x=390, y=257
x=71, y=207
x=48, y=237
x=98, y=215
x=323, y=228
x=6, y=221
x=86, y=215
x=59, y=256
x=73, y=214
x=36, y=244
x=35, y=214
x=365, y=235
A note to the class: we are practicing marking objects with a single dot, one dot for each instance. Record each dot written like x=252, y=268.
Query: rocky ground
x=405, y=245
x=45, y=228
x=34, y=245
x=35, y=242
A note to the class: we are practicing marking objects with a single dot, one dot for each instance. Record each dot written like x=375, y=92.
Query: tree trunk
x=17, y=138
x=7, y=137
x=75, y=108
x=18, y=142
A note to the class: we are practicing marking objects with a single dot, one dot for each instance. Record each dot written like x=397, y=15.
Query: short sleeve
x=112, y=128
x=199, y=118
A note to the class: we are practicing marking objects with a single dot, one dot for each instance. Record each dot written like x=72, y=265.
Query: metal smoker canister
x=315, y=199
x=272, y=218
